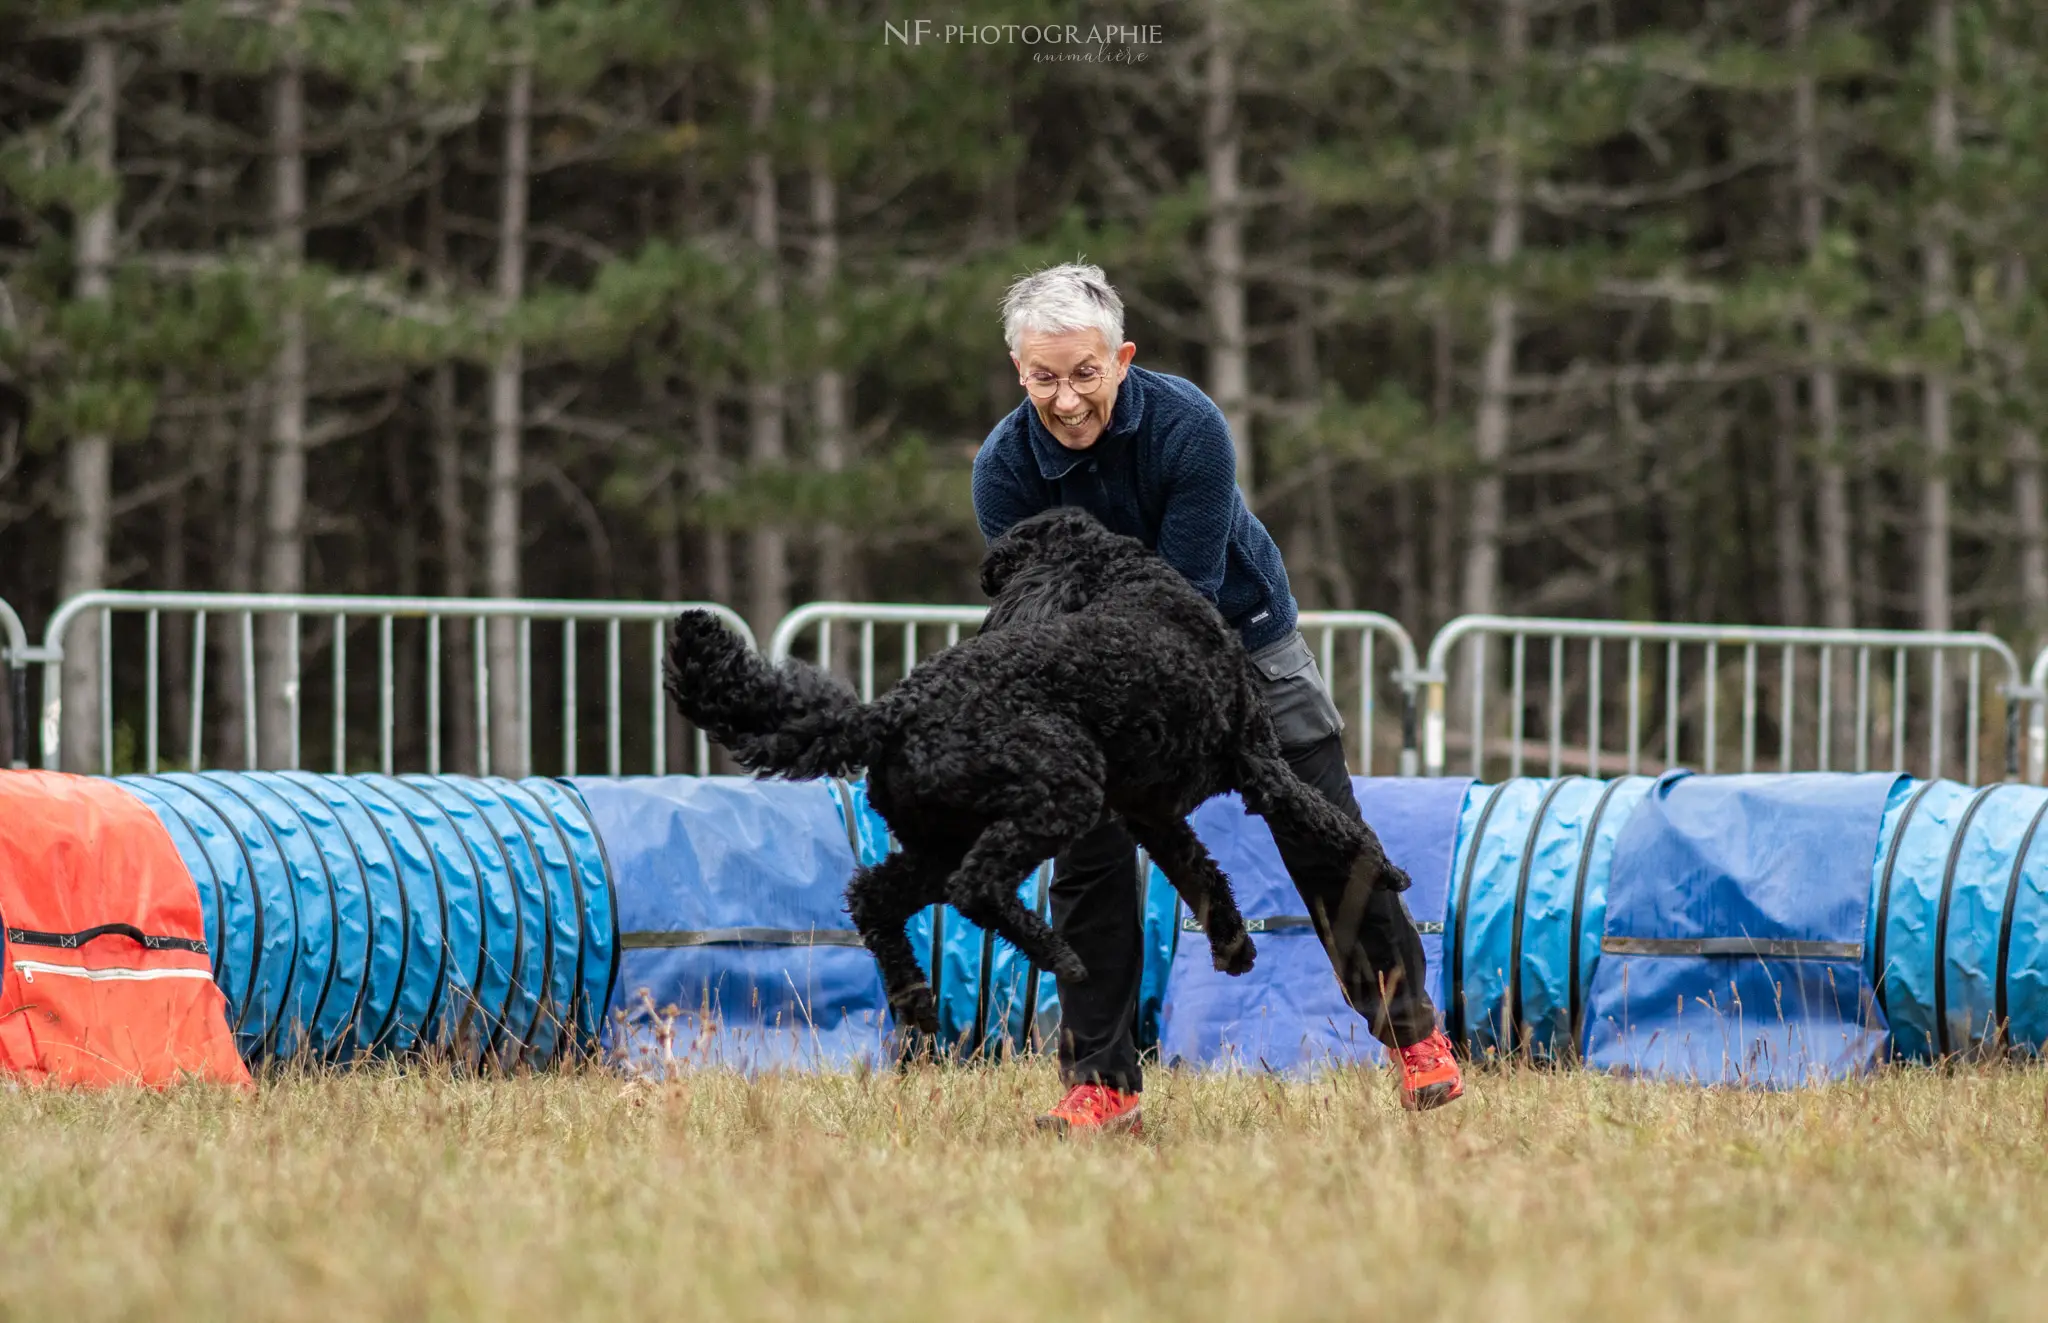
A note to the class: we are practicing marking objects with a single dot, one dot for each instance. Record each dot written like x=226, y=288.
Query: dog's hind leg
x=1181, y=855
x=882, y=900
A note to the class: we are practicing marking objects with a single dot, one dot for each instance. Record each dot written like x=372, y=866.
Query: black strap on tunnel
x=1577, y=993
x=1884, y=897
x=1283, y=923
x=1455, y=1012
x=1513, y=1017
x=1764, y=948
x=1948, y=886
x=72, y=941
x=670, y=939
x=2001, y=1001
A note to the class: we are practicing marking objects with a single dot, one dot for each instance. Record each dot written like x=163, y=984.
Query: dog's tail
x=791, y=720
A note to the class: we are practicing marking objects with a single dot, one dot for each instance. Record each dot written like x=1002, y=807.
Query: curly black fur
x=1101, y=680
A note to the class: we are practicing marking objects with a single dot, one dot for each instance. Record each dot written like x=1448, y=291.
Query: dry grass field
x=926, y=1195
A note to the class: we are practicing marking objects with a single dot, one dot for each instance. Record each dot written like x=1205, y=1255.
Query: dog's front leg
x=1181, y=855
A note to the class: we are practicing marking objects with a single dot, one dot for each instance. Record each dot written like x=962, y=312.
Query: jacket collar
x=1055, y=461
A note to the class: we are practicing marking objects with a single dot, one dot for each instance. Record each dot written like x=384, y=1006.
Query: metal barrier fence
x=1814, y=693
x=408, y=640
x=1827, y=699
x=14, y=661
x=844, y=640
x=2037, y=725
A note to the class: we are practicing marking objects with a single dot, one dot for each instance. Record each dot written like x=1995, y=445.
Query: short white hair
x=1069, y=297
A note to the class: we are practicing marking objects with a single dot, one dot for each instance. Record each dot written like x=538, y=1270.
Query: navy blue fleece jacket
x=1164, y=471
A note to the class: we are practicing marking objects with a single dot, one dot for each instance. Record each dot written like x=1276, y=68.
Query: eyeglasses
x=1085, y=380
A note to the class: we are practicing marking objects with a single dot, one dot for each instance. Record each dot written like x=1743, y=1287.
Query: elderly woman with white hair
x=1150, y=455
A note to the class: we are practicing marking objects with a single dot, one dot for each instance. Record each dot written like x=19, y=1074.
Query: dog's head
x=1051, y=564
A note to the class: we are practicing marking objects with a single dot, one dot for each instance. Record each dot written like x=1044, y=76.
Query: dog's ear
x=1005, y=556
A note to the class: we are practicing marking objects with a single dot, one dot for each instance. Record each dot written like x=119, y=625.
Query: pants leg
x=1094, y=897
x=1389, y=985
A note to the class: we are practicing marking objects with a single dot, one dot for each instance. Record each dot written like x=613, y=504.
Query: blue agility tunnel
x=1958, y=927
x=1289, y=1014
x=1526, y=909
x=736, y=948
x=373, y=915
x=1758, y=930
x=1734, y=950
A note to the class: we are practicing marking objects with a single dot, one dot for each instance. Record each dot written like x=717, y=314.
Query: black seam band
x=1948, y=887
x=1285, y=923
x=1455, y=957
x=656, y=940
x=1769, y=948
x=1511, y=1020
x=1884, y=896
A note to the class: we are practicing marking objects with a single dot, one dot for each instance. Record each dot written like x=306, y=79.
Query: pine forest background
x=1714, y=310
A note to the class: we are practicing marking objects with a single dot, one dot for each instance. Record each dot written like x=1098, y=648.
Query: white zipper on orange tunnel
x=30, y=968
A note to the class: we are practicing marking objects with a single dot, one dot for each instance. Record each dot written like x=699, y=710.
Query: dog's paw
x=1235, y=958
x=1376, y=872
x=915, y=1008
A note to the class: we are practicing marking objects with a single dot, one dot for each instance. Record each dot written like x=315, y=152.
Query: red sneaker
x=1429, y=1074
x=1097, y=1109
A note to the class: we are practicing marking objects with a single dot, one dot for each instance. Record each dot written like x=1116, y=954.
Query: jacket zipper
x=28, y=969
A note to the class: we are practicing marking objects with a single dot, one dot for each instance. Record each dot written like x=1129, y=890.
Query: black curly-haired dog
x=1100, y=680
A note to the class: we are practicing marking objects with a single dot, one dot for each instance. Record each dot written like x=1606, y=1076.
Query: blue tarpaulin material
x=1752, y=929
x=364, y=915
x=1959, y=919
x=1734, y=951
x=1529, y=894
x=1289, y=1014
x=738, y=952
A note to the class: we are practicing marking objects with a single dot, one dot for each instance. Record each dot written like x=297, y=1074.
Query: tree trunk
x=284, y=505
x=1222, y=144
x=1831, y=489
x=2029, y=514
x=836, y=570
x=88, y=516
x=1444, y=488
x=1935, y=610
x=451, y=515
x=457, y=574
x=228, y=662
x=718, y=580
x=768, y=547
x=506, y=753
x=1791, y=539
x=1490, y=436
x=175, y=640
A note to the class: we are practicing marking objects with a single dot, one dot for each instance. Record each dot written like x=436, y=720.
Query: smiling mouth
x=1074, y=420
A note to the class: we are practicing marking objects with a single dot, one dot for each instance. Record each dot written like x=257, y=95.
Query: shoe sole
x=1130, y=1123
x=1431, y=1096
